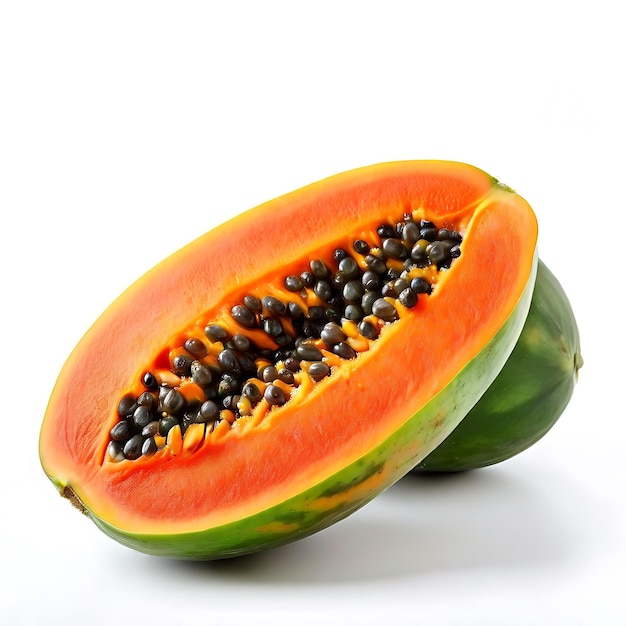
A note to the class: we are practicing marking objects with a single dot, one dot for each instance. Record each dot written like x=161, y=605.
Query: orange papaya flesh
x=216, y=342
x=268, y=477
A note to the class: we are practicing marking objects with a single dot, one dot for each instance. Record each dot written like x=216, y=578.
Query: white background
x=127, y=129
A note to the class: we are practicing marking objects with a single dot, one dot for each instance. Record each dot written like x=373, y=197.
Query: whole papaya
x=530, y=393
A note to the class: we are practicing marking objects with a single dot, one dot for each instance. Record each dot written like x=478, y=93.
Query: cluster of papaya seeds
x=281, y=371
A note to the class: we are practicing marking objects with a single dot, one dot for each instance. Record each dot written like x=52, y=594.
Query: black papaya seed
x=384, y=309
x=274, y=395
x=121, y=431
x=318, y=371
x=244, y=316
x=132, y=448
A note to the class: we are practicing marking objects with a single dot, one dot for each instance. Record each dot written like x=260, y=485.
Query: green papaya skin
x=530, y=393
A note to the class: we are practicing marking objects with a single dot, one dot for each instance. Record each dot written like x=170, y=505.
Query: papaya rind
x=355, y=485
x=530, y=393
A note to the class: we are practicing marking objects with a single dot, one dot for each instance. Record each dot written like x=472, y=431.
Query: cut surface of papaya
x=530, y=393
x=279, y=372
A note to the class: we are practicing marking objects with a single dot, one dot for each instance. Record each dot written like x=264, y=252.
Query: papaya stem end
x=70, y=494
x=501, y=185
x=578, y=362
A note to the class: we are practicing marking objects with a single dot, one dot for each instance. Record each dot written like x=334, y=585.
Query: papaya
x=280, y=371
x=530, y=393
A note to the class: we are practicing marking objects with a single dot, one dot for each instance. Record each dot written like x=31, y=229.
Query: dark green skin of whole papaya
x=530, y=393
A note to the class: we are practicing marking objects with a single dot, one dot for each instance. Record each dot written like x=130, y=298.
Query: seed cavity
x=309, y=324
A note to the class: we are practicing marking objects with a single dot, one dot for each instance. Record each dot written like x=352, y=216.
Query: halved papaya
x=530, y=393
x=280, y=371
